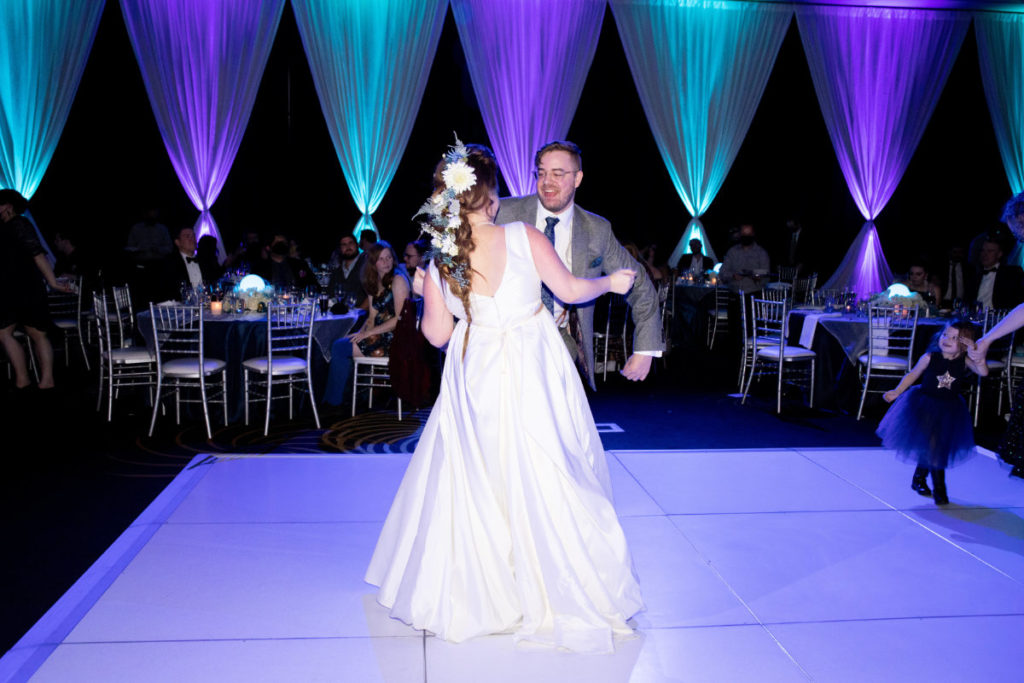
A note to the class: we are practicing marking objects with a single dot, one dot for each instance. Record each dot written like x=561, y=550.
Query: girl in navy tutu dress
x=930, y=423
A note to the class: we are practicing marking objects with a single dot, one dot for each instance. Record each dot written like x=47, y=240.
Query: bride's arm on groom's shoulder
x=437, y=323
x=566, y=286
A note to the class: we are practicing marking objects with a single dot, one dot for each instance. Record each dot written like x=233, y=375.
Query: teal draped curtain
x=44, y=45
x=700, y=68
x=370, y=61
x=878, y=74
x=1001, y=57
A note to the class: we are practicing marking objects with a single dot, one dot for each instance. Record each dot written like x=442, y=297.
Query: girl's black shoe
x=939, y=482
x=920, y=481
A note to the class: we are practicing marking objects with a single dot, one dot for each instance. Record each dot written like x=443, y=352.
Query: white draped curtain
x=528, y=60
x=202, y=61
x=700, y=68
x=370, y=61
x=878, y=74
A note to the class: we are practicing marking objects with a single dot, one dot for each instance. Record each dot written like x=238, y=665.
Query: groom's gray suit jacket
x=595, y=252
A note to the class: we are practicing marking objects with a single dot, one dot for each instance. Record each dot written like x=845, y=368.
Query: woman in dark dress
x=23, y=302
x=386, y=293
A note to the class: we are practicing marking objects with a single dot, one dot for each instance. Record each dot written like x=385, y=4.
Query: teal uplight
x=370, y=60
x=700, y=67
x=44, y=45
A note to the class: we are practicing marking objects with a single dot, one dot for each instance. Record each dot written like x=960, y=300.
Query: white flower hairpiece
x=441, y=211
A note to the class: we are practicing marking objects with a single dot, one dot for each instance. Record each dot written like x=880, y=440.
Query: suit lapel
x=580, y=241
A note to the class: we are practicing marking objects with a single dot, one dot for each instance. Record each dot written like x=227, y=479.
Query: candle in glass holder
x=216, y=307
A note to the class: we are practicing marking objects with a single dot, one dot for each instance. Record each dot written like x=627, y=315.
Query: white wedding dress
x=503, y=522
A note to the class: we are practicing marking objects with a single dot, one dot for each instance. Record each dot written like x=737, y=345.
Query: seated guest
x=209, y=264
x=345, y=280
x=386, y=292
x=281, y=270
x=917, y=280
x=955, y=270
x=413, y=257
x=73, y=261
x=995, y=284
x=696, y=262
x=246, y=254
x=746, y=265
x=367, y=238
x=181, y=267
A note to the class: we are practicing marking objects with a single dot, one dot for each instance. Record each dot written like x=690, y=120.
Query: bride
x=503, y=522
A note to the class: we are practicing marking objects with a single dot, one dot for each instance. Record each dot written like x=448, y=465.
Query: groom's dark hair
x=560, y=146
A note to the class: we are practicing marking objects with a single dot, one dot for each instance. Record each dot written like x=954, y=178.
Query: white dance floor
x=756, y=565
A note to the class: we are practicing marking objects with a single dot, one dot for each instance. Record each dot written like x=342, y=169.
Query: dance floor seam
x=784, y=564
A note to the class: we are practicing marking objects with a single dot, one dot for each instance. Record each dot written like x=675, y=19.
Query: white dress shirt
x=986, y=286
x=563, y=247
x=195, y=274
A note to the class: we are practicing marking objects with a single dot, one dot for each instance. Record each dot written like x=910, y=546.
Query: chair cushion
x=995, y=364
x=134, y=354
x=885, y=362
x=65, y=323
x=283, y=365
x=189, y=367
x=788, y=352
x=384, y=360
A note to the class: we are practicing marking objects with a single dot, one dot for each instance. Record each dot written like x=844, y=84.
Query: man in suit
x=346, y=278
x=585, y=243
x=995, y=284
x=698, y=262
x=181, y=267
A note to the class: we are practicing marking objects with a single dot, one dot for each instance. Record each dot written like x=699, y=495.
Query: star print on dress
x=946, y=380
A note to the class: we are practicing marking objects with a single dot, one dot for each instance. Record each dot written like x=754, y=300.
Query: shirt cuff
x=656, y=354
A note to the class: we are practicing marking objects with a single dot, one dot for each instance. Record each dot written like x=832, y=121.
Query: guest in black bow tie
x=181, y=267
x=996, y=284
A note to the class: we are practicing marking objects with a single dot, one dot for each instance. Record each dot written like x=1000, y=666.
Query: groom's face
x=557, y=180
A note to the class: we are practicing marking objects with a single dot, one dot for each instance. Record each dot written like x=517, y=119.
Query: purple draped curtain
x=202, y=61
x=528, y=60
x=878, y=74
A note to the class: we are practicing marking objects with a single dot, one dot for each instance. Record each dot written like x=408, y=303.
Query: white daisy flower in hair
x=459, y=176
x=454, y=221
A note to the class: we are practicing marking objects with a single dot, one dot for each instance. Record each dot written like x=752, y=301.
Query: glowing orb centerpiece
x=897, y=290
x=252, y=283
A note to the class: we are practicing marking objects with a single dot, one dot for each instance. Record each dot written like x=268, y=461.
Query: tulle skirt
x=928, y=429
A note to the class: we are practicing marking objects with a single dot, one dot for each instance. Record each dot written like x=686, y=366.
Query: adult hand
x=358, y=337
x=889, y=396
x=975, y=352
x=981, y=346
x=417, y=281
x=637, y=366
x=621, y=281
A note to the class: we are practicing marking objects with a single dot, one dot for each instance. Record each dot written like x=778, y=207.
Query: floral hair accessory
x=442, y=210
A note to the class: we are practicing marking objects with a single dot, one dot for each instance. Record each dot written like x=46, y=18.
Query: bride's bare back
x=487, y=260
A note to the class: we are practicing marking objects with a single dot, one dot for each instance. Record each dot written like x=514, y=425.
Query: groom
x=586, y=245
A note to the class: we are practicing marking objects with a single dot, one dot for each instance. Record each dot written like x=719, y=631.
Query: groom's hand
x=637, y=367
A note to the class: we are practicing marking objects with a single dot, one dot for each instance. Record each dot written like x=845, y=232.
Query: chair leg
x=110, y=391
x=355, y=386
x=312, y=399
x=245, y=391
x=399, y=410
x=206, y=411
x=156, y=405
x=778, y=385
x=266, y=418
x=750, y=379
x=864, y=392
x=99, y=391
x=811, y=399
x=224, y=393
x=85, y=355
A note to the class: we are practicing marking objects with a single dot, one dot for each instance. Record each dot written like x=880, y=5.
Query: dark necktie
x=989, y=270
x=191, y=259
x=545, y=294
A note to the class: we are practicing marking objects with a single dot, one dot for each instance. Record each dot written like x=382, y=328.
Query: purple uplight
x=528, y=79
x=878, y=74
x=202, y=61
